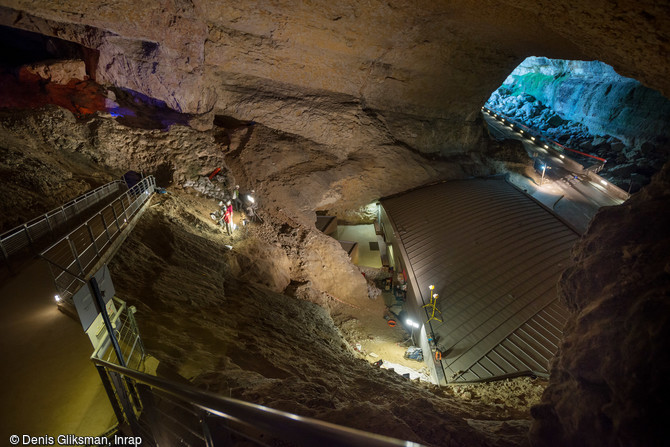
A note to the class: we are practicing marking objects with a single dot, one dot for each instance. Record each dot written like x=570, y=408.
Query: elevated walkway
x=29, y=239
x=51, y=387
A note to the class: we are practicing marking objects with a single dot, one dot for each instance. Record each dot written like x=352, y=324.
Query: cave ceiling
x=420, y=67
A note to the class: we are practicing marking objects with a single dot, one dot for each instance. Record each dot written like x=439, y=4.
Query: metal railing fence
x=591, y=172
x=163, y=412
x=72, y=258
x=127, y=335
x=33, y=234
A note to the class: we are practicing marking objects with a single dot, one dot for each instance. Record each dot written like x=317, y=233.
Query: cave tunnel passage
x=592, y=113
x=36, y=70
x=19, y=47
x=30, y=78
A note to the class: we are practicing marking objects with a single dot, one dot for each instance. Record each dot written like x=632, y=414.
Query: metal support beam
x=95, y=244
x=100, y=304
x=76, y=256
x=104, y=224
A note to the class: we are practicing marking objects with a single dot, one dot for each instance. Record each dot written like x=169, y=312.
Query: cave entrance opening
x=606, y=122
x=578, y=121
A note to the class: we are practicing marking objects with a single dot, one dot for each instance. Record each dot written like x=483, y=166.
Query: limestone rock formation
x=323, y=71
x=49, y=157
x=59, y=72
x=609, y=380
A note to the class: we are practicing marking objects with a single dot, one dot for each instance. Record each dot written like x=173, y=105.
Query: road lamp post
x=544, y=169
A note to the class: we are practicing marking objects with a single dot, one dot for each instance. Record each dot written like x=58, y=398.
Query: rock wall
x=610, y=379
x=593, y=94
x=48, y=157
x=319, y=70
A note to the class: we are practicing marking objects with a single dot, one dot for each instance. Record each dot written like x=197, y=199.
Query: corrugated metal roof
x=494, y=256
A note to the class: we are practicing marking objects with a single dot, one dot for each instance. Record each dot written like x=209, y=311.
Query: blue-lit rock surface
x=587, y=106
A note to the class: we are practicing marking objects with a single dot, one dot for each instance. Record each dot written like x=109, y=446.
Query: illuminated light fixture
x=496, y=115
x=431, y=287
x=503, y=120
x=436, y=296
x=546, y=147
x=412, y=324
x=532, y=138
x=482, y=108
x=521, y=131
x=603, y=182
x=251, y=199
x=561, y=155
x=57, y=298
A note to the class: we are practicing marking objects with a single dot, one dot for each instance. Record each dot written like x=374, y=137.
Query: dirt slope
x=242, y=339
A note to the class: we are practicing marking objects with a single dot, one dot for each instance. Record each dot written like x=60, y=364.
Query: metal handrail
x=26, y=235
x=99, y=238
x=60, y=208
x=286, y=426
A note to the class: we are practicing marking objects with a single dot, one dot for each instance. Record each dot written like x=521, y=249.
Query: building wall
x=414, y=303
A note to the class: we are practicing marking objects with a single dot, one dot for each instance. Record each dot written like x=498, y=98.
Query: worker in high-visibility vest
x=236, y=198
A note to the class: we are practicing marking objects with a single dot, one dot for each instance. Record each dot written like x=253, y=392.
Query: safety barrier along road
x=558, y=150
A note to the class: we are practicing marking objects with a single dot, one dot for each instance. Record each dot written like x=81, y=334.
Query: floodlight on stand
x=412, y=323
x=57, y=298
x=251, y=199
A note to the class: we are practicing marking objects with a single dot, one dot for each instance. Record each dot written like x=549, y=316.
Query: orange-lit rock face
x=30, y=90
